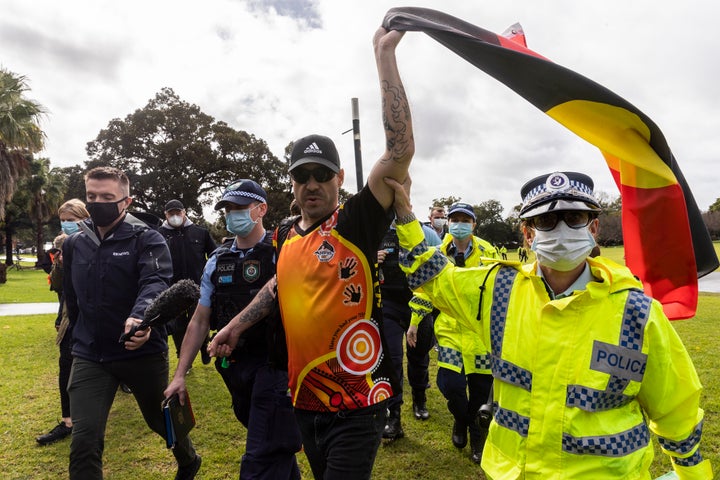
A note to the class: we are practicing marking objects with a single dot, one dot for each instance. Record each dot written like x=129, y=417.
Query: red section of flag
x=664, y=262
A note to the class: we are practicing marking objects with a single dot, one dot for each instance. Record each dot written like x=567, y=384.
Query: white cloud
x=282, y=69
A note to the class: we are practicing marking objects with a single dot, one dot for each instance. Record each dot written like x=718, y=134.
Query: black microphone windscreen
x=173, y=302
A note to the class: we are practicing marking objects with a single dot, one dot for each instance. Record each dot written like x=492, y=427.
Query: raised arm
x=397, y=122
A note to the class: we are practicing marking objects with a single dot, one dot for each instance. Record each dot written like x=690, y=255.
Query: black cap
x=557, y=191
x=315, y=149
x=242, y=192
x=174, y=205
x=459, y=207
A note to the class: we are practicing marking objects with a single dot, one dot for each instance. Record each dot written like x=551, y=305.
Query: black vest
x=237, y=281
x=393, y=283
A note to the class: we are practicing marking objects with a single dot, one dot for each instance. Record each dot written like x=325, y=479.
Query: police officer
x=463, y=374
x=259, y=387
x=586, y=365
x=396, y=317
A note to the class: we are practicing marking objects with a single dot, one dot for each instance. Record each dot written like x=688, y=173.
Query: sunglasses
x=320, y=174
x=575, y=219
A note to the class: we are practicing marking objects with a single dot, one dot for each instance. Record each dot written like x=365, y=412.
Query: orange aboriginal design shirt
x=328, y=295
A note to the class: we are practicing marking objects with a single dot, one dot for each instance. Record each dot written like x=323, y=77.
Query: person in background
x=257, y=384
x=396, y=296
x=438, y=221
x=327, y=289
x=70, y=213
x=586, y=365
x=190, y=246
x=463, y=375
x=113, y=269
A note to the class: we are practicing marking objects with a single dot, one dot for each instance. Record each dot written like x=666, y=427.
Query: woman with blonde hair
x=71, y=213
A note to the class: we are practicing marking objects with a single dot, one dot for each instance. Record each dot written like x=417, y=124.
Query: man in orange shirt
x=340, y=375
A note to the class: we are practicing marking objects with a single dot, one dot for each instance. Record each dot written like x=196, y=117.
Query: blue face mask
x=460, y=230
x=239, y=222
x=69, y=228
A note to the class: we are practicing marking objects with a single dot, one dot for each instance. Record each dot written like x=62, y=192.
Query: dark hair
x=110, y=173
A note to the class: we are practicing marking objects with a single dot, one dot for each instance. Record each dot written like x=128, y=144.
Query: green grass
x=30, y=404
x=26, y=286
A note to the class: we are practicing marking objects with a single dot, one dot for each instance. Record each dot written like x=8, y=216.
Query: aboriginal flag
x=666, y=242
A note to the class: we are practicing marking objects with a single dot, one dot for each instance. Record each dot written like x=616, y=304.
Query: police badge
x=251, y=270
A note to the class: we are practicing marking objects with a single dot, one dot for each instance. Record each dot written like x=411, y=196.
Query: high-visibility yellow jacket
x=579, y=381
x=458, y=348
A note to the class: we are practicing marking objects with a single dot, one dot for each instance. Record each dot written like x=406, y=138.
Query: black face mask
x=103, y=213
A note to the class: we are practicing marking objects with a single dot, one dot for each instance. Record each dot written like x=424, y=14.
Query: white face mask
x=562, y=248
x=175, y=221
x=439, y=223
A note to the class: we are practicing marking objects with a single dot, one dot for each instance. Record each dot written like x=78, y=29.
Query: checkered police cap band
x=240, y=193
x=568, y=186
x=576, y=189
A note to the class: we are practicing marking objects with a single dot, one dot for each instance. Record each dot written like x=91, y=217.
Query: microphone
x=170, y=304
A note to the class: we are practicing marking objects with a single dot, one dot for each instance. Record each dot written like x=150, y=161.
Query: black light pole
x=356, y=139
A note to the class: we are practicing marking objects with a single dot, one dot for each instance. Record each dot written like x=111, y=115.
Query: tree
x=445, y=201
x=20, y=133
x=74, y=181
x=715, y=207
x=610, y=232
x=712, y=221
x=491, y=226
x=46, y=189
x=171, y=149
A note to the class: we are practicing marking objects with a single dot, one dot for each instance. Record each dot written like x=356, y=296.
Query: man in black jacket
x=114, y=267
x=190, y=246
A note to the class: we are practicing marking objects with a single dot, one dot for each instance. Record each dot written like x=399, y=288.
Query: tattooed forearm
x=259, y=308
x=396, y=120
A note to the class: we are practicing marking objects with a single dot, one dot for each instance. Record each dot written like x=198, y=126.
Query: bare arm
x=260, y=306
x=397, y=122
x=192, y=342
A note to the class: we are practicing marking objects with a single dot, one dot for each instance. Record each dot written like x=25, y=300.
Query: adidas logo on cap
x=313, y=148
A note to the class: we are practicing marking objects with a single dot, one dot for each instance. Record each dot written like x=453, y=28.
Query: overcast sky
x=281, y=69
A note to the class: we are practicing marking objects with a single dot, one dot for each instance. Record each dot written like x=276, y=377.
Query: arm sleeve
x=68, y=289
x=420, y=307
x=670, y=395
x=453, y=290
x=155, y=270
x=206, y=286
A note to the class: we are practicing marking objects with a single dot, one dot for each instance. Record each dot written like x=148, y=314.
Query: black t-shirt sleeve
x=364, y=221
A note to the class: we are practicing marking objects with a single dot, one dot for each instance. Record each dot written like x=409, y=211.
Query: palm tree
x=20, y=136
x=20, y=133
x=46, y=188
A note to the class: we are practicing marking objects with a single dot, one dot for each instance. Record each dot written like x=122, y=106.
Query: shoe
x=459, y=435
x=188, y=472
x=125, y=388
x=393, y=427
x=420, y=411
x=477, y=440
x=476, y=449
x=477, y=445
x=59, y=432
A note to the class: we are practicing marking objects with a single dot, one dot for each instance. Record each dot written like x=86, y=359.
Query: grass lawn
x=30, y=404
